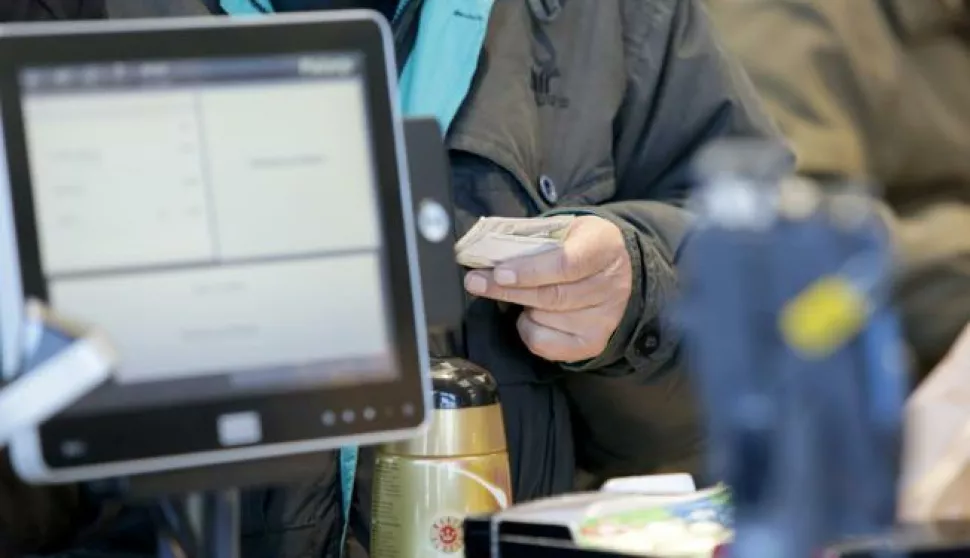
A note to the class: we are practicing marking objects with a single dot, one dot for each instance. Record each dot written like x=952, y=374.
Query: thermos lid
x=467, y=419
x=459, y=384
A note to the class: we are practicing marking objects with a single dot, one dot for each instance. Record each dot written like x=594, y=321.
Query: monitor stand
x=197, y=511
x=203, y=525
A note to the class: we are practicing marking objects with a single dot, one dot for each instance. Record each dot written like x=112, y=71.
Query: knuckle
x=545, y=351
x=620, y=277
x=546, y=297
x=599, y=346
x=560, y=296
x=533, y=342
x=563, y=264
x=597, y=342
x=618, y=267
x=622, y=287
x=525, y=331
x=582, y=352
x=553, y=296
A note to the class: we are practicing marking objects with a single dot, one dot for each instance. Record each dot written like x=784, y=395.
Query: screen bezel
x=142, y=440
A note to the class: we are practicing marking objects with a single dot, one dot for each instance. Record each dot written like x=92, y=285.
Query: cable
x=173, y=523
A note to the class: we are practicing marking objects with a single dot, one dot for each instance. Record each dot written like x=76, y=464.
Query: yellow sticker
x=823, y=317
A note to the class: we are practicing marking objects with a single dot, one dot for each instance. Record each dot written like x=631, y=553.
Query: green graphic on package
x=687, y=525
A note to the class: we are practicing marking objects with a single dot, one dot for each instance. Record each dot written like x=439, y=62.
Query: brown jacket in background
x=878, y=89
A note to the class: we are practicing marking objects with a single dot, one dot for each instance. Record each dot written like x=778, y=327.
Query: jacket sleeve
x=682, y=92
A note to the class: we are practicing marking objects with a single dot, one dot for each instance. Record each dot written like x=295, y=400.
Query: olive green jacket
x=878, y=89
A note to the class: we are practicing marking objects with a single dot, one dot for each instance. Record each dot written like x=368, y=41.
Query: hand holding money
x=574, y=279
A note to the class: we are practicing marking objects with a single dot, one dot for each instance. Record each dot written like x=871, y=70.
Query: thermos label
x=447, y=536
x=420, y=504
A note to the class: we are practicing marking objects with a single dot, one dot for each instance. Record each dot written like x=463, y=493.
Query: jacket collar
x=918, y=19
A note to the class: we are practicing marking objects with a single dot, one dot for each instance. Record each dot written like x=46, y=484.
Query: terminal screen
x=218, y=218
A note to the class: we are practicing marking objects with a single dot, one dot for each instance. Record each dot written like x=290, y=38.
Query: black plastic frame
x=126, y=435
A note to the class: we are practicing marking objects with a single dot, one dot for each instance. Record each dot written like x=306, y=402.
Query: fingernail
x=475, y=283
x=505, y=277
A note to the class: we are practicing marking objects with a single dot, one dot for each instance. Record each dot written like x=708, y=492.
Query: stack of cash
x=494, y=240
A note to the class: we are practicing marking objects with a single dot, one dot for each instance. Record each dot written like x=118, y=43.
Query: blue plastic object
x=809, y=445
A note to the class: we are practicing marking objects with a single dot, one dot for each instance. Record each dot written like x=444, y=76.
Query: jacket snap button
x=547, y=188
x=648, y=344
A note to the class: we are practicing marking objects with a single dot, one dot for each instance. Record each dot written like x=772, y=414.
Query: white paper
x=679, y=483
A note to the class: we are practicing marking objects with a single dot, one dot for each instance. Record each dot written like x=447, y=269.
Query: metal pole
x=221, y=524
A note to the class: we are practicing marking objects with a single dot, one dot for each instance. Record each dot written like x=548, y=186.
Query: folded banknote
x=494, y=240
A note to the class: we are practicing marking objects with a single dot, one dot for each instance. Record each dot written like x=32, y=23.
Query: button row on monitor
x=245, y=428
x=240, y=429
x=349, y=416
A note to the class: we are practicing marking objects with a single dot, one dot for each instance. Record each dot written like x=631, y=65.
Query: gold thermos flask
x=424, y=487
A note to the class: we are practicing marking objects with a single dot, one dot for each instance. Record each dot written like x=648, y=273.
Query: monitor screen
x=218, y=218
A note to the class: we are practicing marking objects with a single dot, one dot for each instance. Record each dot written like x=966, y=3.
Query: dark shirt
x=41, y=10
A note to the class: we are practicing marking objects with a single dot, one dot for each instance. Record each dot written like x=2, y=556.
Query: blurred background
x=878, y=90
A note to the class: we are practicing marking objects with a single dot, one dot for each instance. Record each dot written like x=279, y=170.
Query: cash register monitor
x=226, y=200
